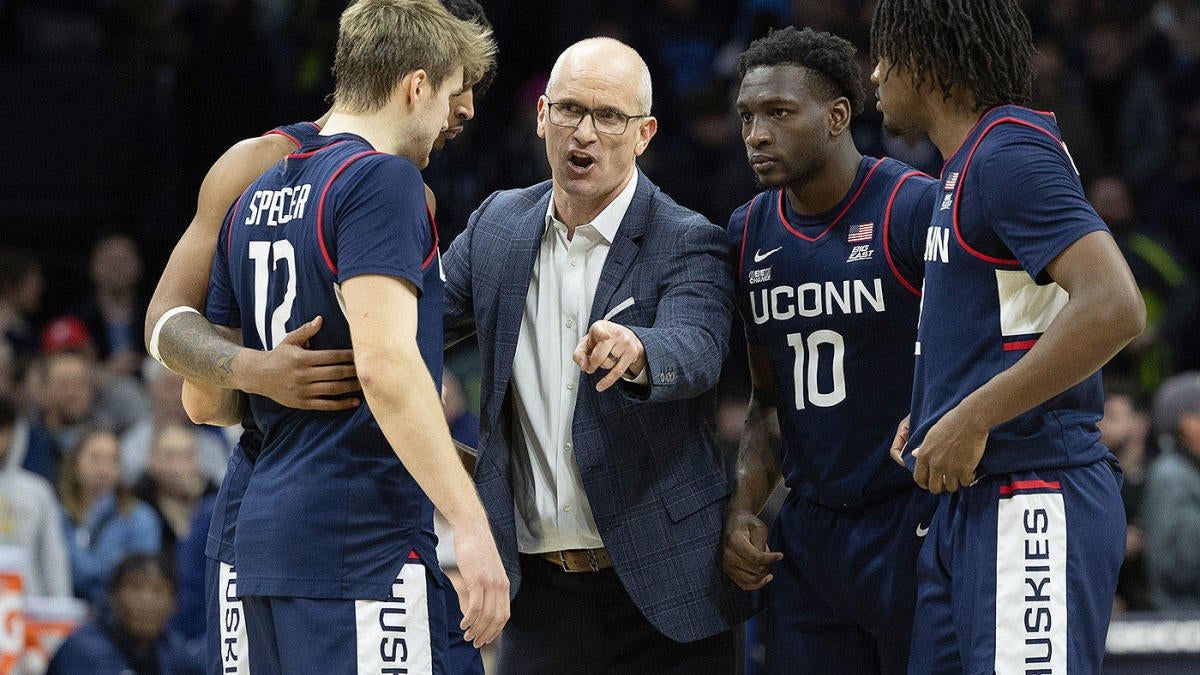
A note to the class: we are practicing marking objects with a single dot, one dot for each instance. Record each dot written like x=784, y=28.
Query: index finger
x=617, y=371
x=581, y=351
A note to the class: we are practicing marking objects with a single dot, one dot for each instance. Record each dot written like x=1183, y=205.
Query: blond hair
x=381, y=41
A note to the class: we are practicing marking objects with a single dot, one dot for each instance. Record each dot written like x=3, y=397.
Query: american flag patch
x=952, y=180
x=861, y=233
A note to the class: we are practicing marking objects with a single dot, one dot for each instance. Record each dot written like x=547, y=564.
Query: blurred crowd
x=105, y=484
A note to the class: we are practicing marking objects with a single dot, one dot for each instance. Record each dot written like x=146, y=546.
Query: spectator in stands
x=1125, y=430
x=1168, y=287
x=29, y=518
x=1171, y=511
x=102, y=521
x=165, y=390
x=68, y=394
x=118, y=398
x=173, y=485
x=130, y=634
x=21, y=285
x=115, y=313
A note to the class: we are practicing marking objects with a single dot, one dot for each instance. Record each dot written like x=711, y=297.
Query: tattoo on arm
x=196, y=349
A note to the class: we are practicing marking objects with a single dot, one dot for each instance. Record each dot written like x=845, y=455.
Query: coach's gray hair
x=645, y=90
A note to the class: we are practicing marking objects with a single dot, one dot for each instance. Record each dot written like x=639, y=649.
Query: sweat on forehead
x=608, y=54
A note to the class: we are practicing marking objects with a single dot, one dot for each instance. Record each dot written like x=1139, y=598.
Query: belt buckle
x=593, y=561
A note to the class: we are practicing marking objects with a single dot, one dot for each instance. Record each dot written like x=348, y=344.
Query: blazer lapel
x=624, y=248
x=518, y=270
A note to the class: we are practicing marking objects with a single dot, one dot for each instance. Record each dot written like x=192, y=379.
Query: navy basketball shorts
x=227, y=648
x=229, y=639
x=843, y=595
x=1019, y=572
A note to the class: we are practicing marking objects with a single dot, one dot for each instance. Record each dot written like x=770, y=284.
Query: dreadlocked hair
x=825, y=54
x=982, y=46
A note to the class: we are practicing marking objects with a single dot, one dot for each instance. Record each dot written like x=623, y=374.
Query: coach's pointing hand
x=613, y=347
x=746, y=554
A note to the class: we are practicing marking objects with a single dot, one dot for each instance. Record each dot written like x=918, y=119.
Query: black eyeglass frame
x=591, y=112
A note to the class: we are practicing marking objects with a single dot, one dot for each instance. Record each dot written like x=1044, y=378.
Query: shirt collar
x=608, y=221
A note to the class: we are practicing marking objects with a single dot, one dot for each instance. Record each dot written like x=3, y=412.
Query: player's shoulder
x=742, y=214
x=363, y=168
x=904, y=183
x=1012, y=133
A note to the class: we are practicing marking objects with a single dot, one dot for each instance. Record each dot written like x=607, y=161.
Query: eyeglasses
x=605, y=120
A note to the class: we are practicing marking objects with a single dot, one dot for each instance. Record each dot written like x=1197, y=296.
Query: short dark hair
x=985, y=47
x=139, y=562
x=826, y=54
x=470, y=10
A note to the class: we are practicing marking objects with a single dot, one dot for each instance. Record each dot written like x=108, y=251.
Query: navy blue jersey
x=1010, y=203
x=329, y=511
x=300, y=134
x=834, y=300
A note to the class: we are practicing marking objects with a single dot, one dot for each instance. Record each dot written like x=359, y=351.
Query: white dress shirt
x=552, y=510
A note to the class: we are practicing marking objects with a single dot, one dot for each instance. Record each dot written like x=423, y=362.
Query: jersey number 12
x=267, y=256
x=808, y=365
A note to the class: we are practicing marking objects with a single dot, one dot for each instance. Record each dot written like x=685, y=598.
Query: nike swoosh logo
x=922, y=531
x=759, y=256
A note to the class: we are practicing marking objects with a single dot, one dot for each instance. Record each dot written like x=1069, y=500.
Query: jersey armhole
x=746, y=234
x=887, y=221
x=433, y=226
x=237, y=207
x=962, y=179
x=280, y=132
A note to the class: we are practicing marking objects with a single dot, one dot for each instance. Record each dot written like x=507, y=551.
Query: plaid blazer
x=651, y=470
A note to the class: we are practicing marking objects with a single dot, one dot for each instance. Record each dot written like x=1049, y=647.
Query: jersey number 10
x=266, y=256
x=808, y=366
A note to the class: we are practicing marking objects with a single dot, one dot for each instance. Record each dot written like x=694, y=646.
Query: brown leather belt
x=580, y=560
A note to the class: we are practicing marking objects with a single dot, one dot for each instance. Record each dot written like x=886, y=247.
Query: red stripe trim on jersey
x=962, y=178
x=310, y=153
x=887, y=219
x=237, y=206
x=280, y=132
x=745, y=235
x=434, y=250
x=788, y=225
x=321, y=203
x=1019, y=485
x=1019, y=345
x=314, y=125
x=412, y=555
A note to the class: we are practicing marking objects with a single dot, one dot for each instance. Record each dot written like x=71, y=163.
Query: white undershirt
x=552, y=510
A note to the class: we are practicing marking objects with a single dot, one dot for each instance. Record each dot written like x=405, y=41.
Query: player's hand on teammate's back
x=614, y=347
x=484, y=595
x=745, y=552
x=901, y=439
x=297, y=377
x=950, y=452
